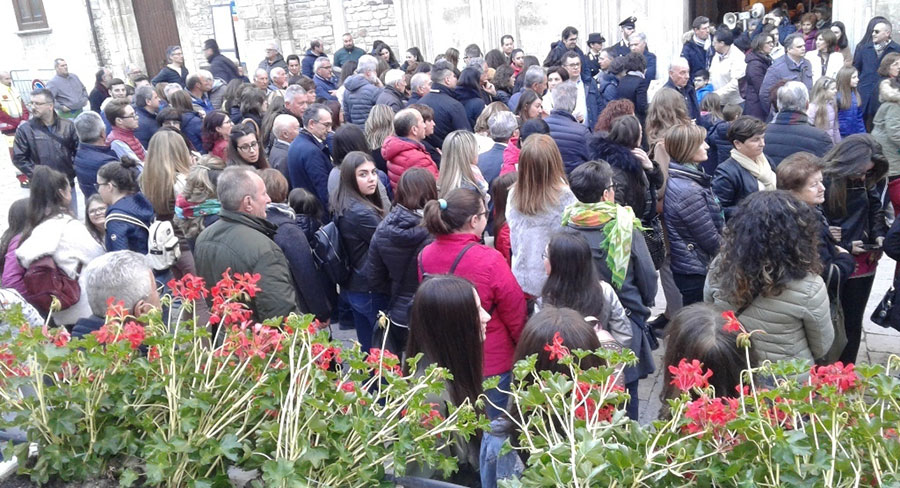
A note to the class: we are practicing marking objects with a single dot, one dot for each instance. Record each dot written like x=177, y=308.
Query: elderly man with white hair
x=680, y=81
x=361, y=91
x=419, y=85
x=277, y=84
x=261, y=80
x=570, y=136
x=790, y=131
x=394, y=93
x=285, y=129
x=273, y=58
x=637, y=42
x=326, y=82
x=198, y=85
x=501, y=126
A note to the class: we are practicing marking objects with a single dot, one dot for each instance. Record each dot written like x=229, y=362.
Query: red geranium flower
x=556, y=348
x=153, y=354
x=705, y=412
x=104, y=335
x=189, y=287
x=837, y=375
x=687, y=376
x=377, y=359
x=134, y=333
x=116, y=309
x=731, y=322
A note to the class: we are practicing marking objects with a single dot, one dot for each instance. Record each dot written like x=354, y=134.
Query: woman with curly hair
x=768, y=273
x=855, y=216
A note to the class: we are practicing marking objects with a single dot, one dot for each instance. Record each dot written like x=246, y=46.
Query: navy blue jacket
x=125, y=236
x=791, y=132
x=608, y=89
x=634, y=88
x=86, y=325
x=690, y=98
x=223, y=68
x=697, y=57
x=570, y=136
x=391, y=263
x=87, y=162
x=593, y=101
x=323, y=87
x=491, y=161
x=472, y=101
x=309, y=163
x=866, y=61
x=650, y=74
x=719, y=146
x=751, y=84
x=359, y=98
x=147, y=126
x=169, y=75
x=357, y=225
x=192, y=127
x=308, y=62
x=732, y=183
x=693, y=220
x=449, y=114
x=308, y=281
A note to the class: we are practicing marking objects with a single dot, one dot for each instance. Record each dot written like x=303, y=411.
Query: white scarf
x=759, y=168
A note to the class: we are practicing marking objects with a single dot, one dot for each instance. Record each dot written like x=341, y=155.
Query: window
x=30, y=14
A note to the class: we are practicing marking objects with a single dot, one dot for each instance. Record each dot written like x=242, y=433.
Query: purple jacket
x=13, y=272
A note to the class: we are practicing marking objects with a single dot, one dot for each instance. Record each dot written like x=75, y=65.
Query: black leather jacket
x=52, y=146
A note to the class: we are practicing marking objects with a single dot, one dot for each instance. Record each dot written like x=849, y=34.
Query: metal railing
x=22, y=80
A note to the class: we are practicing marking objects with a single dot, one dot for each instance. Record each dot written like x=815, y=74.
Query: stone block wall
x=370, y=20
x=117, y=35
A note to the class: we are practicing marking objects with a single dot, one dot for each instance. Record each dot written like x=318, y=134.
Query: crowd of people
x=484, y=203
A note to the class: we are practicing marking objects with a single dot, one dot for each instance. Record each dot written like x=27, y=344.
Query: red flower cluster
x=714, y=413
x=248, y=340
x=689, y=375
x=384, y=359
x=59, y=337
x=10, y=362
x=116, y=309
x=132, y=332
x=323, y=356
x=587, y=406
x=189, y=287
x=556, y=348
x=731, y=322
x=242, y=286
x=153, y=353
x=837, y=375
x=347, y=387
x=430, y=419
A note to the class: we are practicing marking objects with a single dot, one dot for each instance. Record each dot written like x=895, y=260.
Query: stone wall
x=117, y=35
x=370, y=20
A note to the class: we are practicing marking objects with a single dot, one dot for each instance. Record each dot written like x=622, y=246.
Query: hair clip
x=442, y=203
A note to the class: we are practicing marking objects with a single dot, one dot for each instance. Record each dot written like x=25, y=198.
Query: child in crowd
x=822, y=110
x=701, y=85
x=850, y=119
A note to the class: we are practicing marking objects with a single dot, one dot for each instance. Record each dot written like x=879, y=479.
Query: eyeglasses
x=37, y=104
x=573, y=65
x=98, y=185
x=248, y=147
x=97, y=211
x=326, y=124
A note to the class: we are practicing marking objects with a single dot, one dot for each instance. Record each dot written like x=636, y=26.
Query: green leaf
x=229, y=447
x=127, y=478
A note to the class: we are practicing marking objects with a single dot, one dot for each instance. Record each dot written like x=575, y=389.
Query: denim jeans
x=365, y=306
x=496, y=396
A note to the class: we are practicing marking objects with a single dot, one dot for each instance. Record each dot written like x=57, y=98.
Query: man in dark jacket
x=680, y=81
x=866, y=61
x=449, y=114
x=792, y=66
x=394, y=91
x=242, y=240
x=285, y=129
x=93, y=151
x=273, y=58
x=309, y=159
x=594, y=56
x=621, y=48
x=698, y=51
x=326, y=82
x=348, y=53
x=220, y=66
x=361, y=91
x=568, y=42
x=569, y=135
x=146, y=105
x=502, y=127
x=46, y=139
x=535, y=79
x=791, y=131
x=101, y=89
x=637, y=42
x=308, y=62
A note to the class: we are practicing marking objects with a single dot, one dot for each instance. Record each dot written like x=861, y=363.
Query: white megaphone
x=731, y=19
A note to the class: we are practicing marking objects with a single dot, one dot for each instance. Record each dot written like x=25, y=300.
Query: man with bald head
x=273, y=58
x=680, y=81
x=285, y=130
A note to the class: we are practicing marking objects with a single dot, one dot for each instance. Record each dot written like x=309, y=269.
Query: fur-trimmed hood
x=616, y=155
x=888, y=93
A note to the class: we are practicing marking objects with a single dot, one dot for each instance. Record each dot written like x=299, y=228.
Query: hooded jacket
x=497, y=288
x=88, y=160
x=147, y=125
x=360, y=96
x=472, y=101
x=886, y=126
x=570, y=136
x=635, y=187
x=719, y=146
x=244, y=243
x=392, y=256
x=122, y=236
x=308, y=281
x=308, y=63
x=324, y=88
x=698, y=57
x=789, y=133
x=402, y=154
x=192, y=127
x=693, y=220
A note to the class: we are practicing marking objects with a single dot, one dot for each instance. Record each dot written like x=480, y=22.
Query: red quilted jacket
x=402, y=154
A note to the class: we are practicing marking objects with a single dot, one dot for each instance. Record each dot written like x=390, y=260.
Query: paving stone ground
x=877, y=343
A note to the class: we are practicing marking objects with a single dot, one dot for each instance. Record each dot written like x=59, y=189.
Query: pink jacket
x=13, y=272
x=498, y=289
x=510, y=157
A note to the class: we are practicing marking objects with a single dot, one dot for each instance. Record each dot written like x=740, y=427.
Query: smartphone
x=871, y=247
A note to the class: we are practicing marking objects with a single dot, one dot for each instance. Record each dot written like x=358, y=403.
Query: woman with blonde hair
x=196, y=207
x=459, y=165
x=666, y=110
x=482, y=131
x=165, y=176
x=692, y=216
x=822, y=110
x=379, y=126
x=534, y=209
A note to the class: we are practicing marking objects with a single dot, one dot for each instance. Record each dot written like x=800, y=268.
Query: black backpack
x=329, y=255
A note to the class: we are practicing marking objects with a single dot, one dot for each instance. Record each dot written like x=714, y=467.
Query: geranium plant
x=160, y=401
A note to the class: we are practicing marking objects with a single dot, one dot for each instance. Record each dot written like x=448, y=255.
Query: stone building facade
x=92, y=33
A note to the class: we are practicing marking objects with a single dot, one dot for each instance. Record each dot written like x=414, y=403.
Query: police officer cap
x=629, y=22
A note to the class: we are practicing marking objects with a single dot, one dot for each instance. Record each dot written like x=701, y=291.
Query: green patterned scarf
x=618, y=224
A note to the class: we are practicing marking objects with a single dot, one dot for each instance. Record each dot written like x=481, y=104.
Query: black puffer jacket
x=732, y=183
x=693, y=220
x=392, y=259
x=635, y=187
x=357, y=225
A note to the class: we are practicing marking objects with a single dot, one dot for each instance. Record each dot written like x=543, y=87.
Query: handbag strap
x=453, y=266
